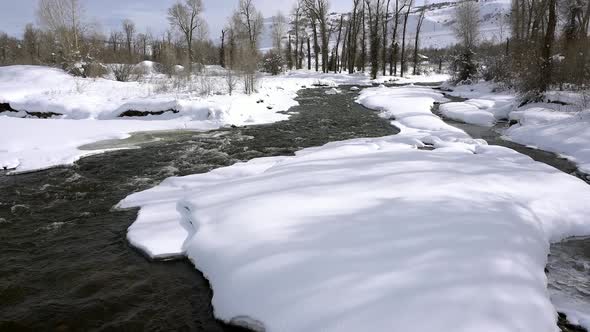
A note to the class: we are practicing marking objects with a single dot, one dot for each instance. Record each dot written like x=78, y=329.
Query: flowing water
x=65, y=264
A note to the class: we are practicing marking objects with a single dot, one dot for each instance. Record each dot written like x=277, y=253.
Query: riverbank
x=46, y=114
x=559, y=124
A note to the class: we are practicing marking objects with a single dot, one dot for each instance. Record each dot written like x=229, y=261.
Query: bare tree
x=467, y=31
x=318, y=10
x=403, y=58
x=363, y=59
x=298, y=29
x=374, y=8
x=353, y=35
x=31, y=43
x=142, y=43
x=394, y=41
x=466, y=26
x=129, y=30
x=278, y=31
x=385, y=24
x=115, y=40
x=222, y=49
x=335, y=58
x=417, y=39
x=62, y=17
x=547, y=46
x=185, y=17
x=247, y=23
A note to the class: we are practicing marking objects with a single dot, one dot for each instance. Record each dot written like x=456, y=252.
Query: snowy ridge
x=376, y=233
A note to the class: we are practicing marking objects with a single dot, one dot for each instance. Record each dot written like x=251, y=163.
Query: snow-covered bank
x=31, y=144
x=561, y=129
x=409, y=108
x=373, y=234
x=567, y=135
x=44, y=89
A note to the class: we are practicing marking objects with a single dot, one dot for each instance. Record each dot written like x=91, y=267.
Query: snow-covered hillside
x=437, y=29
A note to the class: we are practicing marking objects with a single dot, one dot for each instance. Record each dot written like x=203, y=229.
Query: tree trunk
x=403, y=59
x=325, y=46
x=418, y=28
x=364, y=45
x=335, y=54
x=222, y=50
x=546, y=66
x=315, y=45
x=384, y=36
x=393, y=58
x=301, y=54
x=308, y=54
x=289, y=51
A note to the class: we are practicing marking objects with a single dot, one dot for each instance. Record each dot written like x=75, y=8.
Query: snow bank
x=539, y=115
x=372, y=234
x=411, y=79
x=548, y=126
x=484, y=107
x=468, y=113
x=43, y=89
x=568, y=135
x=410, y=109
x=33, y=144
x=38, y=144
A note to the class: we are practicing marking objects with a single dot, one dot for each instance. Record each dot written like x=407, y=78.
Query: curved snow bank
x=563, y=134
x=372, y=234
x=485, y=106
x=33, y=144
x=410, y=108
x=539, y=115
x=467, y=113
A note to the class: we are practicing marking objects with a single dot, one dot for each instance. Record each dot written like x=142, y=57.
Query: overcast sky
x=148, y=14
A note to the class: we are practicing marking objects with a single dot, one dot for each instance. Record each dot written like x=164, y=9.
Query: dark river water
x=65, y=264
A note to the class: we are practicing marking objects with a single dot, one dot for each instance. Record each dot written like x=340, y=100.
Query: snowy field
x=90, y=110
x=459, y=234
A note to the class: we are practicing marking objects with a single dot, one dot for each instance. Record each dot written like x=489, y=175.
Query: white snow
x=373, y=234
x=33, y=144
x=96, y=104
x=468, y=113
x=562, y=129
x=410, y=109
x=539, y=115
x=411, y=79
x=568, y=135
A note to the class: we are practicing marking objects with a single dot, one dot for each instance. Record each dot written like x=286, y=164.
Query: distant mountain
x=437, y=28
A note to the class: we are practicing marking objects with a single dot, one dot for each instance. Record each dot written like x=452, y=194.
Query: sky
x=149, y=15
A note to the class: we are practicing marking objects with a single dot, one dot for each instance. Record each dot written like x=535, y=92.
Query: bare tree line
x=369, y=38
